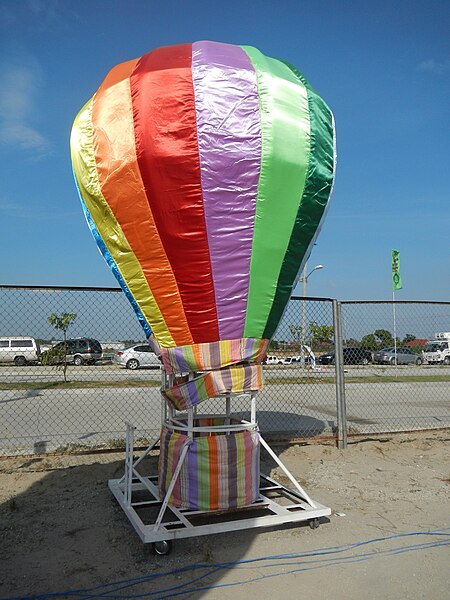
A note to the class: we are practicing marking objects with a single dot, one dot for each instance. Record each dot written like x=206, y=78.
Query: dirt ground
x=388, y=536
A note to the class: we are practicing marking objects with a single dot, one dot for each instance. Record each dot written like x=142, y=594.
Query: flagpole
x=396, y=285
x=395, y=327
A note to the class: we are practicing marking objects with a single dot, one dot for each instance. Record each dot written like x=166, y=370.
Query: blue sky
x=383, y=67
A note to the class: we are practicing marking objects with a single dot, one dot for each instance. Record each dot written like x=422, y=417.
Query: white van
x=19, y=350
x=438, y=350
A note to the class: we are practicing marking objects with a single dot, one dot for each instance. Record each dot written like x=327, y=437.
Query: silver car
x=137, y=356
x=405, y=356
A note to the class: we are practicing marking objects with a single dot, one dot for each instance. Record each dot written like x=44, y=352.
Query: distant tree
x=128, y=343
x=380, y=338
x=409, y=337
x=321, y=333
x=57, y=356
x=352, y=343
x=296, y=332
x=370, y=342
x=384, y=337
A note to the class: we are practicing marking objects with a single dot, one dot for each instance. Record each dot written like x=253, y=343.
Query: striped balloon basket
x=220, y=466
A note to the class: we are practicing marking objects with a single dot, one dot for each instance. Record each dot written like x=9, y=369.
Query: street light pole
x=304, y=281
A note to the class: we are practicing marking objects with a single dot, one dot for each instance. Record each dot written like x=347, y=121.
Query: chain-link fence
x=54, y=407
x=299, y=398
x=404, y=388
x=40, y=411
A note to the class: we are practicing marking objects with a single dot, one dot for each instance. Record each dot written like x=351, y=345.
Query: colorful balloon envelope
x=204, y=172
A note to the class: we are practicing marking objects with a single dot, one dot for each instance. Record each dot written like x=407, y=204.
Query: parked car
x=79, y=351
x=296, y=360
x=352, y=356
x=19, y=350
x=141, y=355
x=273, y=360
x=289, y=360
x=405, y=356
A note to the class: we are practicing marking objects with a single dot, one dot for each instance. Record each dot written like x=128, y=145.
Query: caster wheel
x=162, y=548
x=314, y=523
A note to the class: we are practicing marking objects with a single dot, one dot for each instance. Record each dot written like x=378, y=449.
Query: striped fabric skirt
x=220, y=470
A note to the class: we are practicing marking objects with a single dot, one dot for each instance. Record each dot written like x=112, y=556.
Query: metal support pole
x=171, y=486
x=341, y=410
x=228, y=410
x=253, y=408
x=395, y=330
x=288, y=474
x=303, y=324
x=129, y=446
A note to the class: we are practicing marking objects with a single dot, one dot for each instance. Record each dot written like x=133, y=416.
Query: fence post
x=341, y=411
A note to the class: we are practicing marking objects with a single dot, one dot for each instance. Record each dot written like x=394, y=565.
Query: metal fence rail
x=41, y=412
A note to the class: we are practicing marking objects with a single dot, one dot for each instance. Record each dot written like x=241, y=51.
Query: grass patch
x=76, y=385
x=360, y=379
x=398, y=379
x=271, y=380
x=291, y=380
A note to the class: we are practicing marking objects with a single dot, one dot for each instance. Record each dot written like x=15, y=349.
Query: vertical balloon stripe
x=118, y=73
x=202, y=450
x=314, y=202
x=240, y=454
x=122, y=187
x=192, y=470
x=83, y=160
x=233, y=473
x=248, y=470
x=112, y=265
x=167, y=152
x=285, y=153
x=229, y=141
x=213, y=460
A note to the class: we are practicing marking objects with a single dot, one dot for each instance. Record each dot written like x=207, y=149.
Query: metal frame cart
x=158, y=522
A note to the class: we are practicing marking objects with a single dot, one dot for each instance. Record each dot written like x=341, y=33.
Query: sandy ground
x=61, y=530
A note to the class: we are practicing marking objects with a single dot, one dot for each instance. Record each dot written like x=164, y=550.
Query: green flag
x=396, y=278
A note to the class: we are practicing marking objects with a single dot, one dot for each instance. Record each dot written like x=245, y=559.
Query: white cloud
x=434, y=66
x=37, y=16
x=19, y=88
x=30, y=210
x=13, y=209
x=40, y=14
x=23, y=137
x=9, y=207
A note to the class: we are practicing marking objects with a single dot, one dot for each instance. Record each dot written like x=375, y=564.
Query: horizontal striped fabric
x=219, y=472
x=185, y=394
x=204, y=172
x=215, y=355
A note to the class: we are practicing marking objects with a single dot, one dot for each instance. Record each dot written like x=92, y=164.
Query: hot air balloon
x=204, y=171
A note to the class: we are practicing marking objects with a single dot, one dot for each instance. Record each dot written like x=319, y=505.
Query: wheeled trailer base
x=276, y=505
x=158, y=523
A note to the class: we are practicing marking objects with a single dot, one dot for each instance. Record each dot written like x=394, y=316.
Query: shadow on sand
x=62, y=531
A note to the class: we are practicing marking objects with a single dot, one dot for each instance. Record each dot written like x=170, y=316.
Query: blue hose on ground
x=318, y=559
